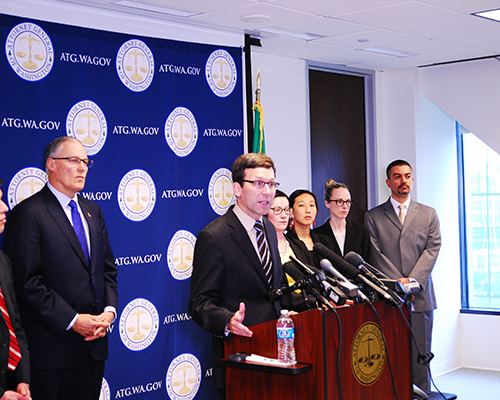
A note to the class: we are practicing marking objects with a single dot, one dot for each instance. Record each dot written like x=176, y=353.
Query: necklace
x=287, y=248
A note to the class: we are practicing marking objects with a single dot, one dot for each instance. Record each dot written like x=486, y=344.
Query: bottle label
x=285, y=333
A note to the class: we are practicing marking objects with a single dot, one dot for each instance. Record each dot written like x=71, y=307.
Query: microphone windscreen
x=293, y=271
x=354, y=259
x=338, y=262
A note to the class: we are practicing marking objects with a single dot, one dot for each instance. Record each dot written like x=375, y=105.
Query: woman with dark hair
x=304, y=208
x=346, y=236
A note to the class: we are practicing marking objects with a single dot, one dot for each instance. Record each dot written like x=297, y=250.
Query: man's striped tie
x=265, y=254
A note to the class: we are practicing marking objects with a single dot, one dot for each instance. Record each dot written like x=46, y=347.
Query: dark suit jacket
x=22, y=371
x=408, y=250
x=53, y=280
x=357, y=239
x=300, y=250
x=227, y=271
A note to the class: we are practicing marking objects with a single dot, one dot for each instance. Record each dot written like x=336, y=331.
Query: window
x=480, y=225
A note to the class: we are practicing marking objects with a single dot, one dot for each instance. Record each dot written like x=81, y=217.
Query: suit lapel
x=410, y=216
x=241, y=237
x=391, y=214
x=55, y=210
x=92, y=224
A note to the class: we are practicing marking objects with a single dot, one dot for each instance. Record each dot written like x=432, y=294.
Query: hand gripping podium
x=363, y=370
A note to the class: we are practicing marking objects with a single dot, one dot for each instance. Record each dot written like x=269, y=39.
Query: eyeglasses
x=279, y=210
x=341, y=202
x=260, y=184
x=75, y=161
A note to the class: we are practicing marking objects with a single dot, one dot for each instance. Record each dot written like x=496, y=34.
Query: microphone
x=350, y=288
x=311, y=280
x=351, y=272
x=357, y=261
x=333, y=293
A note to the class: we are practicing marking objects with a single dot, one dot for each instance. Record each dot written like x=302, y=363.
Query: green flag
x=259, y=143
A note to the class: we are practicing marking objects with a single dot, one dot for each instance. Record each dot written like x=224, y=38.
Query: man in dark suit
x=406, y=241
x=14, y=373
x=65, y=277
x=229, y=285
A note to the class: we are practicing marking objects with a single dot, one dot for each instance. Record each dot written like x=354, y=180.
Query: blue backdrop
x=163, y=122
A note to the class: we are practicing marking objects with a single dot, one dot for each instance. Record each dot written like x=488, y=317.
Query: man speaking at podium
x=406, y=241
x=236, y=261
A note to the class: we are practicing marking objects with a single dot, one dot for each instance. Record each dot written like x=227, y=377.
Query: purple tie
x=78, y=227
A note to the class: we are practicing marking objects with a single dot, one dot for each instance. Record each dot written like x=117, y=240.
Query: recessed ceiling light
x=492, y=14
x=363, y=40
x=295, y=35
x=157, y=9
x=255, y=18
x=388, y=52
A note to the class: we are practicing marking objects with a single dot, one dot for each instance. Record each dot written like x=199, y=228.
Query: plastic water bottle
x=286, y=334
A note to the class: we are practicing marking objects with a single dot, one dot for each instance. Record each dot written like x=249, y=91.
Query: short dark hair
x=300, y=192
x=53, y=147
x=395, y=163
x=330, y=185
x=250, y=161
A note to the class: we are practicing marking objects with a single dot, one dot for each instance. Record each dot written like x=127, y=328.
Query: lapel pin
x=90, y=216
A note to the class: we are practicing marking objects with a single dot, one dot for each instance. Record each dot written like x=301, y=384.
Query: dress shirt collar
x=247, y=221
x=396, y=204
x=61, y=197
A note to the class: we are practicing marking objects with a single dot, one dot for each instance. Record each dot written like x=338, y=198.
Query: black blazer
x=22, y=371
x=53, y=280
x=302, y=253
x=357, y=239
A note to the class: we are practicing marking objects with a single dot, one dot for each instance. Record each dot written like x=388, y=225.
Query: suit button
x=93, y=304
x=3, y=370
x=3, y=343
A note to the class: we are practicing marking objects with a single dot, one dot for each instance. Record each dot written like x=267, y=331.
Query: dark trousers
x=80, y=382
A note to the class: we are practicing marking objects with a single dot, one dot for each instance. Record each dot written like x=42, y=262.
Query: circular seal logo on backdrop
x=29, y=51
x=221, y=74
x=183, y=377
x=24, y=184
x=105, y=393
x=139, y=324
x=368, y=354
x=180, y=255
x=220, y=191
x=136, y=195
x=135, y=65
x=181, y=131
x=87, y=123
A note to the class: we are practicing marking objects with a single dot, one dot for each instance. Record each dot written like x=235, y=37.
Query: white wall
x=410, y=127
x=284, y=99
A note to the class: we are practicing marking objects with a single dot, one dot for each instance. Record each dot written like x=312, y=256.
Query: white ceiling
x=432, y=31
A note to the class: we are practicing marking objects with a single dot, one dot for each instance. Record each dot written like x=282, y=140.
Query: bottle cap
x=284, y=312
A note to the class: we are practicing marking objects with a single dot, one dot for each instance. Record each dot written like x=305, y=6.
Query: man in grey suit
x=406, y=241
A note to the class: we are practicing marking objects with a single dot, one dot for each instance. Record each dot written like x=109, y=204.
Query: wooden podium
x=363, y=370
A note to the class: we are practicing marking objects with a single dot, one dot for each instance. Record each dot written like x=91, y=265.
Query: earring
x=314, y=223
x=292, y=223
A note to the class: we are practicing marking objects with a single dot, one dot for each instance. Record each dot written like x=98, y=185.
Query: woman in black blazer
x=303, y=211
x=346, y=236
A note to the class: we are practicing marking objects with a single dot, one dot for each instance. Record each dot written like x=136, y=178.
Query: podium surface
x=348, y=357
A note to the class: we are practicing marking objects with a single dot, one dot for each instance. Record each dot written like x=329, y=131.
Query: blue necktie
x=78, y=227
